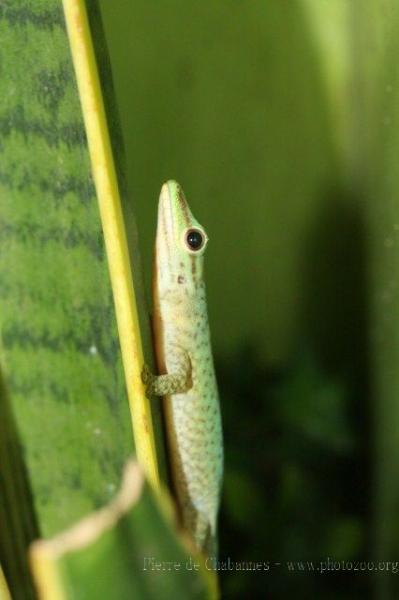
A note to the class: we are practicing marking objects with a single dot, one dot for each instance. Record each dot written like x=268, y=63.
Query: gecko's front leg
x=177, y=382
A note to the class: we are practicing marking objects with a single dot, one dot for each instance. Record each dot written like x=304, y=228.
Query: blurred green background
x=280, y=120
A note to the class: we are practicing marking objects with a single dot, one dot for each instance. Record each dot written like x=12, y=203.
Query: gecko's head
x=180, y=242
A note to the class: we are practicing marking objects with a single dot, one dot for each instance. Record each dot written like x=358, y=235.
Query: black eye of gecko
x=194, y=239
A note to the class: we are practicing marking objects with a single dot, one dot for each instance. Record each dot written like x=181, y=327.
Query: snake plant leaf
x=61, y=352
x=98, y=110
x=125, y=550
x=18, y=527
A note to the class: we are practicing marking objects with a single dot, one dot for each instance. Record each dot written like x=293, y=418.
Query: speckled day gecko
x=184, y=357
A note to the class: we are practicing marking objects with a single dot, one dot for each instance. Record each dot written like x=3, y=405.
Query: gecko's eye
x=195, y=240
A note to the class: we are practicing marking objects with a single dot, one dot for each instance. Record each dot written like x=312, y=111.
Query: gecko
x=184, y=358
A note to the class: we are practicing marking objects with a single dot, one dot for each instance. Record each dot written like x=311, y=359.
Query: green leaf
x=126, y=550
x=61, y=354
x=18, y=527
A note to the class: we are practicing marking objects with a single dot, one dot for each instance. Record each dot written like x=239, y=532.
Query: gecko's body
x=184, y=357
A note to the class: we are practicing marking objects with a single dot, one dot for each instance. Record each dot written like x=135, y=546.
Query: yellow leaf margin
x=106, y=184
x=4, y=591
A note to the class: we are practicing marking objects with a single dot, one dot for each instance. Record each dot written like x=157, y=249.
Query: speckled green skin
x=187, y=379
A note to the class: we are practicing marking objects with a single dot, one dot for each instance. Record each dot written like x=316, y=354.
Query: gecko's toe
x=147, y=378
x=145, y=374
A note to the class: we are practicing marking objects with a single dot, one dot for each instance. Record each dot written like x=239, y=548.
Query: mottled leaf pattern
x=61, y=354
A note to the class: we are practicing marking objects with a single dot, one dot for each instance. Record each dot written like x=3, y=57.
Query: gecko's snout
x=164, y=195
